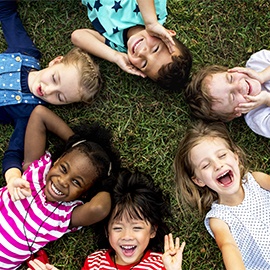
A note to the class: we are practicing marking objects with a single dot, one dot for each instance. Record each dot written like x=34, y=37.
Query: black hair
x=94, y=141
x=137, y=195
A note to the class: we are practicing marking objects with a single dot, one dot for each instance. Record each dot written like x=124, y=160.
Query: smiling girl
x=133, y=230
x=55, y=197
x=211, y=176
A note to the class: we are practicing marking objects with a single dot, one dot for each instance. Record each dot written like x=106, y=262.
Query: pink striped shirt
x=29, y=224
x=101, y=260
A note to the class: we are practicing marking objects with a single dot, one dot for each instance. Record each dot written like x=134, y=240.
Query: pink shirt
x=28, y=225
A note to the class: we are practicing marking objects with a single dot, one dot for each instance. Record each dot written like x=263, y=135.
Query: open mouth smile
x=56, y=191
x=128, y=250
x=136, y=45
x=226, y=178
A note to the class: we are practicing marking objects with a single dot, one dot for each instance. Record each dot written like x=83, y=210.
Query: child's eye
x=53, y=77
x=156, y=49
x=76, y=182
x=205, y=166
x=222, y=155
x=59, y=97
x=137, y=228
x=231, y=78
x=63, y=169
x=117, y=229
x=144, y=64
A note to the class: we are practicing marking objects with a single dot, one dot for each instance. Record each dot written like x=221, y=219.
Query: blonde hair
x=198, y=97
x=188, y=193
x=90, y=81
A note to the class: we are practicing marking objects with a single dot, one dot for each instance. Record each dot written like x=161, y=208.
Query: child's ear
x=171, y=32
x=197, y=181
x=237, y=114
x=153, y=231
x=56, y=60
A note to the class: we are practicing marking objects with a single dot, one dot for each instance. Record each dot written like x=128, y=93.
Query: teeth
x=58, y=192
x=223, y=174
x=127, y=247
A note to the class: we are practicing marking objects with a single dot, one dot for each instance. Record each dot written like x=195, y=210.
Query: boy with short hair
x=218, y=93
x=130, y=34
x=23, y=85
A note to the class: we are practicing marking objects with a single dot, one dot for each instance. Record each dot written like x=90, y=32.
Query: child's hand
x=123, y=62
x=38, y=265
x=173, y=253
x=263, y=98
x=249, y=72
x=18, y=187
x=157, y=30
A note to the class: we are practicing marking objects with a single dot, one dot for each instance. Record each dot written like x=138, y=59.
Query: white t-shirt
x=259, y=119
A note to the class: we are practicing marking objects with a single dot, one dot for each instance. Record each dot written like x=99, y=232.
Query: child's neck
x=233, y=199
x=134, y=30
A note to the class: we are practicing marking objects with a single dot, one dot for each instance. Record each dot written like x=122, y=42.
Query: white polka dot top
x=249, y=224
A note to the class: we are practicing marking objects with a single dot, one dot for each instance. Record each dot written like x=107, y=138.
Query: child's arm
x=152, y=26
x=231, y=255
x=41, y=120
x=38, y=265
x=263, y=179
x=94, y=43
x=173, y=253
x=93, y=211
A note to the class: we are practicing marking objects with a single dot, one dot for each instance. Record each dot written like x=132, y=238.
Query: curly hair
x=175, y=75
x=188, y=193
x=198, y=98
x=90, y=81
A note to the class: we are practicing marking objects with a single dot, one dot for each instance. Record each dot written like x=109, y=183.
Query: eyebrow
x=59, y=82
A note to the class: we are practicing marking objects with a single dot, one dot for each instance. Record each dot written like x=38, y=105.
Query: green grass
x=147, y=122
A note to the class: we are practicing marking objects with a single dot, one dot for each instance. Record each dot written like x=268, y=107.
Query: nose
x=49, y=91
x=217, y=165
x=142, y=52
x=127, y=234
x=239, y=86
x=63, y=181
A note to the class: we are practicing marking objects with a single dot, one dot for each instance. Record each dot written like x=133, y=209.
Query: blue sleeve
x=14, y=31
x=14, y=155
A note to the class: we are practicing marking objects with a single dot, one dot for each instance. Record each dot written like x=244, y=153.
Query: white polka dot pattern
x=10, y=79
x=249, y=224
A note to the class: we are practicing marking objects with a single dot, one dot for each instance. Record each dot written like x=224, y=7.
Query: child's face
x=70, y=177
x=228, y=89
x=57, y=84
x=148, y=53
x=129, y=238
x=215, y=166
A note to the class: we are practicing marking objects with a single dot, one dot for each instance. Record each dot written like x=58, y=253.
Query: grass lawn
x=147, y=122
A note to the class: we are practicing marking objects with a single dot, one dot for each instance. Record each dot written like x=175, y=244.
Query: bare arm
x=231, y=254
x=93, y=211
x=263, y=179
x=94, y=43
x=42, y=120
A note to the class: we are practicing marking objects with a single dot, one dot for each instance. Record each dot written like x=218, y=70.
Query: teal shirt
x=112, y=19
